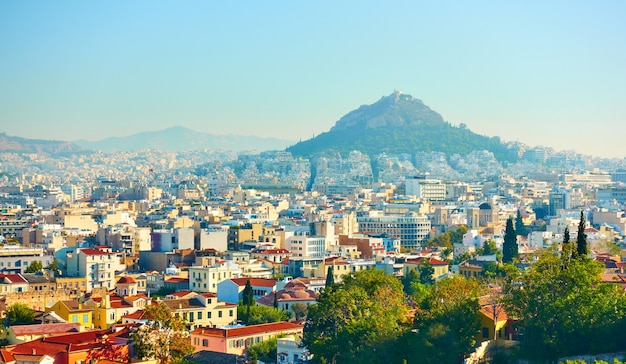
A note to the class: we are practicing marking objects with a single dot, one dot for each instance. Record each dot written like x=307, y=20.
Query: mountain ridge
x=177, y=138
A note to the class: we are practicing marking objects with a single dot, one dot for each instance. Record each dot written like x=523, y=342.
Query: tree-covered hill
x=400, y=124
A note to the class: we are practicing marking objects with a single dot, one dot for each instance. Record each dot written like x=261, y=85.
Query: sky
x=549, y=73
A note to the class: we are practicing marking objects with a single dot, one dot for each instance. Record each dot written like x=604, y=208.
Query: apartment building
x=411, y=229
x=235, y=340
x=99, y=266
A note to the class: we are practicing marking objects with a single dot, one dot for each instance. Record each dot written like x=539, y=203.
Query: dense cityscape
x=210, y=255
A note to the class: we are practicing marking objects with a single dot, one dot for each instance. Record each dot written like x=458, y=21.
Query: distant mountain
x=179, y=138
x=400, y=123
x=48, y=147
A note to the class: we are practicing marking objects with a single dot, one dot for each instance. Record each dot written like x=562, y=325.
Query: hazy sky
x=547, y=73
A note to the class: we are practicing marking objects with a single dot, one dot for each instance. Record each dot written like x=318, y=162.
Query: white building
x=301, y=244
x=425, y=188
x=98, y=266
x=206, y=279
x=411, y=229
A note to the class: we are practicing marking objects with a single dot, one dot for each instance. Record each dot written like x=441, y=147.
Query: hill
x=179, y=138
x=48, y=147
x=396, y=124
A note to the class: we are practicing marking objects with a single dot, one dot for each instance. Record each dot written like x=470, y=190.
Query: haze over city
x=542, y=74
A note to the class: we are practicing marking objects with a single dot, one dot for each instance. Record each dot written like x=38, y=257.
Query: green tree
x=299, y=310
x=509, y=248
x=248, y=295
x=18, y=314
x=565, y=312
x=330, y=277
x=264, y=351
x=164, y=338
x=567, y=249
x=520, y=228
x=261, y=314
x=408, y=279
x=581, y=238
x=34, y=267
x=359, y=321
x=489, y=247
x=275, y=303
x=426, y=272
x=54, y=267
x=446, y=316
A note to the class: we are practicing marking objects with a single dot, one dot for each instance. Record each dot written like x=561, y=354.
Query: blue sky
x=542, y=73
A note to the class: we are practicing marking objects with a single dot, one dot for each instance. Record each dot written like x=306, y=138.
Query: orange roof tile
x=255, y=282
x=247, y=330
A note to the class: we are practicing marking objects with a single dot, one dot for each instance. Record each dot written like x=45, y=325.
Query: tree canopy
x=357, y=321
x=34, y=267
x=164, y=338
x=18, y=314
x=565, y=309
x=446, y=317
x=261, y=314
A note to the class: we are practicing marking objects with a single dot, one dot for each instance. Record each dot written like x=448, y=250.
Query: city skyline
x=541, y=74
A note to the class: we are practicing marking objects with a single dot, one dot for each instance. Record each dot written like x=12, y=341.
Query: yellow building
x=71, y=283
x=493, y=317
x=440, y=267
x=111, y=308
x=341, y=267
x=73, y=311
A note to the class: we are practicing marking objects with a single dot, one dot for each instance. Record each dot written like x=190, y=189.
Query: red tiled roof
x=42, y=329
x=181, y=293
x=176, y=280
x=247, y=330
x=6, y=356
x=135, y=316
x=490, y=311
x=14, y=278
x=255, y=282
x=74, y=305
x=89, y=251
x=127, y=280
x=286, y=296
x=335, y=260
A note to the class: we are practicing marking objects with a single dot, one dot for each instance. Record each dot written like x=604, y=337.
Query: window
x=74, y=318
x=205, y=342
x=86, y=318
x=208, y=314
x=200, y=315
x=219, y=313
x=485, y=332
x=230, y=313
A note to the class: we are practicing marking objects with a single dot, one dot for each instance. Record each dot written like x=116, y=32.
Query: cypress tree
x=275, y=299
x=330, y=277
x=520, y=228
x=581, y=239
x=248, y=295
x=509, y=248
x=566, y=248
